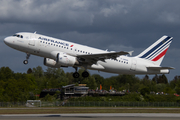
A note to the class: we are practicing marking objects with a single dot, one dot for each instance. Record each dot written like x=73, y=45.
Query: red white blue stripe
x=157, y=50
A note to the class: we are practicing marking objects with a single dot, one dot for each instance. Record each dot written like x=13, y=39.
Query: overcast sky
x=120, y=25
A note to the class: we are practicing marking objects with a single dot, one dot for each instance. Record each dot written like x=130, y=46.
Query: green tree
x=38, y=72
x=98, y=79
x=6, y=73
x=145, y=91
x=160, y=87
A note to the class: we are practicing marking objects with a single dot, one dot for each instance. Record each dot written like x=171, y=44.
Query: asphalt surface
x=97, y=116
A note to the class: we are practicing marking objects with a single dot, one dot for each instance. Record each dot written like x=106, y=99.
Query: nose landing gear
x=27, y=57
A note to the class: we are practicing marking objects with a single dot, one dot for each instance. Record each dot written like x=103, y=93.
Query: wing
x=93, y=58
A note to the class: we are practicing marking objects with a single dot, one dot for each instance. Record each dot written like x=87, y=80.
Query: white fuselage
x=48, y=47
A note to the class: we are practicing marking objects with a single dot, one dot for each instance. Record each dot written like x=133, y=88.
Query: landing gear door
x=133, y=65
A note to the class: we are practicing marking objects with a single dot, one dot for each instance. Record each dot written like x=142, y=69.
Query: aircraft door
x=133, y=65
x=32, y=40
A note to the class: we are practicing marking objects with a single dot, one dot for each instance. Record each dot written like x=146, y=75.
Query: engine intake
x=51, y=63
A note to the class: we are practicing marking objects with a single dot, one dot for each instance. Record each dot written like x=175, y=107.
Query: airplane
x=60, y=53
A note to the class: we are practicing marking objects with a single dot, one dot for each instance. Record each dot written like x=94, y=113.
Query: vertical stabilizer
x=157, y=51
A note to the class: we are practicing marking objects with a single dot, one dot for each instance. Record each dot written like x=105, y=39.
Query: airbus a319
x=60, y=53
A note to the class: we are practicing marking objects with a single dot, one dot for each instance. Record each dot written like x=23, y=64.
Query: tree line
x=24, y=86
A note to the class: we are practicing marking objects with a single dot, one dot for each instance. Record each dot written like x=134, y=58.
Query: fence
x=121, y=104
x=90, y=104
x=12, y=104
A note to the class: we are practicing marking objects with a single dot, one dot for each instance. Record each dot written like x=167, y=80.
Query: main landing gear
x=84, y=74
x=27, y=57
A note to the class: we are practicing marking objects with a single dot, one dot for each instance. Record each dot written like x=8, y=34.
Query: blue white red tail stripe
x=157, y=50
x=160, y=55
x=155, y=47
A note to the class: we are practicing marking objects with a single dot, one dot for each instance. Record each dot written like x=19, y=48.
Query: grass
x=61, y=110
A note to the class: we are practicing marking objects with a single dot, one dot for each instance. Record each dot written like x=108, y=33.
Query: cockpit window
x=20, y=36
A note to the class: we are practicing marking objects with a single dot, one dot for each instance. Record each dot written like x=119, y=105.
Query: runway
x=97, y=116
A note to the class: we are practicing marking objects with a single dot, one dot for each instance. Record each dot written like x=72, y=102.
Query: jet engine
x=62, y=60
x=51, y=63
x=66, y=60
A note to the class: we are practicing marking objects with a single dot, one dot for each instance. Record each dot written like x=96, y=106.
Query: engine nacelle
x=66, y=60
x=51, y=63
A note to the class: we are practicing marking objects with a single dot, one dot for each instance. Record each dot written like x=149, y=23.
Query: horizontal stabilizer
x=160, y=68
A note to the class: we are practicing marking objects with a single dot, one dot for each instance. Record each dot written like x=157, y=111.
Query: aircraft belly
x=113, y=66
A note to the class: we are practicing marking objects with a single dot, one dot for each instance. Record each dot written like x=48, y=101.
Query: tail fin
x=157, y=51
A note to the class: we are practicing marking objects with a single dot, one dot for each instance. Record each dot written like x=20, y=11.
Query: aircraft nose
x=7, y=40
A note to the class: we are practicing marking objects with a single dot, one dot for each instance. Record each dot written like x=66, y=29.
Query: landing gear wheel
x=85, y=74
x=25, y=62
x=76, y=75
x=27, y=57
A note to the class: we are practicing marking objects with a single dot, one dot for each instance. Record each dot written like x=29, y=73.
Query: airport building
x=67, y=91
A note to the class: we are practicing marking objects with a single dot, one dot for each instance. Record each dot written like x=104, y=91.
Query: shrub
x=145, y=91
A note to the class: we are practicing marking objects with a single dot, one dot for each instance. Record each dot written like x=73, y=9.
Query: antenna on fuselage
x=35, y=32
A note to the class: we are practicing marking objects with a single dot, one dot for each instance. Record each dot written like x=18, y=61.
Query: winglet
x=130, y=53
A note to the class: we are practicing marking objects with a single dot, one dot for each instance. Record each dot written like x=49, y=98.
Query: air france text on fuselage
x=54, y=41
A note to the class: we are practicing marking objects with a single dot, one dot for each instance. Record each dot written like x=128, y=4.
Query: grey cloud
x=106, y=24
x=28, y=11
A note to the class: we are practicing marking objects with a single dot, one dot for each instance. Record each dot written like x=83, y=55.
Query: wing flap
x=93, y=58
